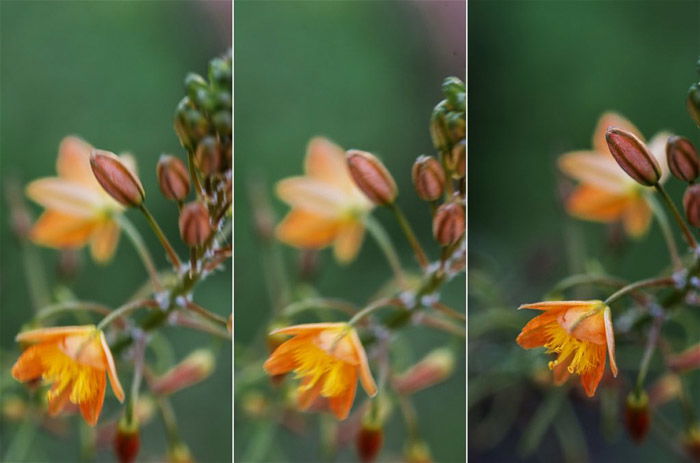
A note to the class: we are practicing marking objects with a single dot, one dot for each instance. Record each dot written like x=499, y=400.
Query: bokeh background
x=366, y=75
x=540, y=75
x=111, y=72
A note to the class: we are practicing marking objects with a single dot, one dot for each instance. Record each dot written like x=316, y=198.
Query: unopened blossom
x=73, y=360
x=327, y=206
x=328, y=358
x=579, y=333
x=605, y=192
x=78, y=210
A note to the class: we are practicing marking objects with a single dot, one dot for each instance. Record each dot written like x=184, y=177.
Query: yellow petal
x=64, y=196
x=312, y=195
x=104, y=241
x=348, y=242
x=599, y=171
x=58, y=230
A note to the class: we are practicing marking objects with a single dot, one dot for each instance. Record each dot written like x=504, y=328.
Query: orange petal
x=590, y=203
x=104, y=241
x=306, y=230
x=637, y=217
x=28, y=366
x=58, y=230
x=111, y=369
x=53, y=334
x=341, y=404
x=57, y=403
x=365, y=374
x=611, y=119
x=312, y=195
x=308, y=328
x=591, y=378
x=610, y=339
x=533, y=334
x=553, y=305
x=73, y=162
x=595, y=170
x=90, y=409
x=308, y=396
x=326, y=161
x=348, y=242
x=561, y=372
x=64, y=196
x=282, y=359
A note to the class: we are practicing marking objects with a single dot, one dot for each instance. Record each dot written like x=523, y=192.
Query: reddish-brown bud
x=369, y=442
x=208, y=156
x=173, y=178
x=126, y=440
x=633, y=156
x=449, y=223
x=116, y=178
x=371, y=177
x=691, y=205
x=195, y=226
x=193, y=369
x=691, y=442
x=428, y=178
x=682, y=158
x=693, y=102
x=432, y=369
x=637, y=418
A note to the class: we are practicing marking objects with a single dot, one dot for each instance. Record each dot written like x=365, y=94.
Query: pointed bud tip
x=633, y=156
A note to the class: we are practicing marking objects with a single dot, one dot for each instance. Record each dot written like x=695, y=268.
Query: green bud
x=454, y=91
x=222, y=123
x=693, y=102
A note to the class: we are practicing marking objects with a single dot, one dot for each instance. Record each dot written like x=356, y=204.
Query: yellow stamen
x=582, y=354
x=63, y=372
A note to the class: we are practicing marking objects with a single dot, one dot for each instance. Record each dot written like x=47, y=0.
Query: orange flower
x=73, y=359
x=328, y=357
x=327, y=207
x=606, y=193
x=579, y=333
x=78, y=210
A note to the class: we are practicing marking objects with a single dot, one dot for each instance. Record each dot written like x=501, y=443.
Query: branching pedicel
x=87, y=205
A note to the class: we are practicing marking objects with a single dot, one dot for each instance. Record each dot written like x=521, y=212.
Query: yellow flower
x=78, y=210
x=328, y=357
x=606, y=193
x=578, y=332
x=73, y=359
x=327, y=207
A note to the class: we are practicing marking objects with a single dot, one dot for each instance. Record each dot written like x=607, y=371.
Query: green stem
x=448, y=311
x=373, y=307
x=384, y=242
x=666, y=231
x=681, y=223
x=162, y=238
x=55, y=309
x=194, y=307
x=410, y=236
x=667, y=281
x=652, y=341
x=136, y=240
x=314, y=303
x=193, y=174
x=123, y=310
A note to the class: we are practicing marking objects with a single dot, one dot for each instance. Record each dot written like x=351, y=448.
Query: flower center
x=581, y=356
x=317, y=365
x=63, y=372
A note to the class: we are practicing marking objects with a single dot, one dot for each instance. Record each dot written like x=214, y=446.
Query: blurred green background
x=366, y=75
x=111, y=72
x=540, y=75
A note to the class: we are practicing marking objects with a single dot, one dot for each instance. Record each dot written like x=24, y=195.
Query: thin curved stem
x=410, y=236
x=71, y=306
x=211, y=316
x=689, y=238
x=373, y=307
x=135, y=237
x=124, y=310
x=666, y=231
x=161, y=237
x=315, y=303
x=667, y=281
x=384, y=242
x=448, y=311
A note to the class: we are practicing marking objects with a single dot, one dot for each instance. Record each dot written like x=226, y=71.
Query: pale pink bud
x=193, y=369
x=432, y=369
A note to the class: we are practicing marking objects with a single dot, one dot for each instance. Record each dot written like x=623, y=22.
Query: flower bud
x=223, y=122
x=369, y=442
x=428, y=178
x=220, y=71
x=116, y=178
x=208, y=156
x=194, y=85
x=682, y=158
x=179, y=453
x=190, y=125
x=454, y=90
x=687, y=360
x=456, y=159
x=637, y=417
x=432, y=369
x=371, y=177
x=193, y=369
x=418, y=451
x=693, y=102
x=691, y=205
x=173, y=178
x=456, y=125
x=449, y=223
x=195, y=227
x=438, y=127
x=126, y=440
x=665, y=389
x=633, y=156
x=691, y=442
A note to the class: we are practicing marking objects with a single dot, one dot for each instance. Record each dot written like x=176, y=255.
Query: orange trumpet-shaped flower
x=327, y=206
x=73, y=359
x=579, y=333
x=78, y=210
x=328, y=357
x=606, y=193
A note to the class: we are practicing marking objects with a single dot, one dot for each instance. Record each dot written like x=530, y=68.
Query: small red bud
x=637, y=418
x=449, y=223
x=371, y=177
x=428, y=178
x=195, y=227
x=633, y=156
x=682, y=158
x=691, y=442
x=691, y=205
x=116, y=178
x=126, y=440
x=369, y=442
x=173, y=178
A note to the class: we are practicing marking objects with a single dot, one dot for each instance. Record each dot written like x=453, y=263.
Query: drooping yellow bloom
x=606, y=193
x=73, y=359
x=579, y=333
x=327, y=207
x=328, y=357
x=78, y=210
